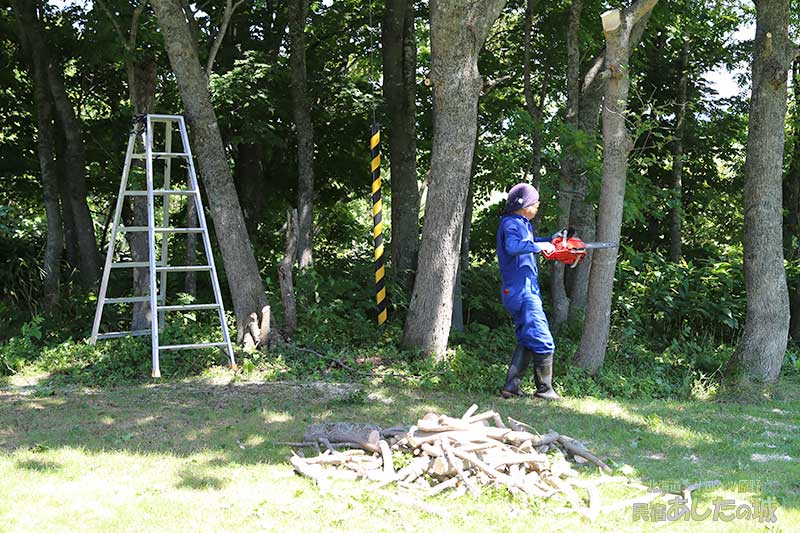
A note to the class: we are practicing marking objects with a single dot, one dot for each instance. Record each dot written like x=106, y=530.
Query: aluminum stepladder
x=144, y=130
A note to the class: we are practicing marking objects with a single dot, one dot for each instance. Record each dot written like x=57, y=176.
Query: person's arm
x=516, y=243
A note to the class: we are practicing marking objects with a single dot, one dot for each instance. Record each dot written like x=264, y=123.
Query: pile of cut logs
x=463, y=454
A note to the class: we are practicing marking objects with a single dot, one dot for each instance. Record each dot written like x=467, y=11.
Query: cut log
x=386, y=453
x=344, y=432
x=470, y=411
x=315, y=472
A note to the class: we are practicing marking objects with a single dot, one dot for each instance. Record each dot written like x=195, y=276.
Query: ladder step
x=160, y=154
x=131, y=264
x=162, y=192
x=179, y=230
x=129, y=299
x=132, y=229
x=120, y=334
x=192, y=346
x=164, y=118
x=187, y=307
x=187, y=268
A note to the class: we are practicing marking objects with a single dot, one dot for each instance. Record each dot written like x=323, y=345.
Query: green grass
x=202, y=454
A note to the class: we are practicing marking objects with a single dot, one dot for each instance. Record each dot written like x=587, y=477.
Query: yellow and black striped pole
x=377, y=221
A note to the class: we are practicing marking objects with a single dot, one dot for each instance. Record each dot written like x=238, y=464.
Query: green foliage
x=701, y=297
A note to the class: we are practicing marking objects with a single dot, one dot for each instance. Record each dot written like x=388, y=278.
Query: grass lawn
x=202, y=454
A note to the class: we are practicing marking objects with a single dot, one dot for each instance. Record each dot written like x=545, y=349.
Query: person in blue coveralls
x=516, y=246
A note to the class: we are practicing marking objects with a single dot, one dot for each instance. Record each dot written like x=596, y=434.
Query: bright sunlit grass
x=203, y=455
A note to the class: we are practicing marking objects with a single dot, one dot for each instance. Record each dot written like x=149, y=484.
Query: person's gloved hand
x=546, y=247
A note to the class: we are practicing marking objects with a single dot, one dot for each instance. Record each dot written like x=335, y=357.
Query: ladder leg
x=201, y=218
x=152, y=248
x=101, y=296
x=165, y=221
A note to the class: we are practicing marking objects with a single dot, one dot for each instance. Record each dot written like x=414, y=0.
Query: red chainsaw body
x=571, y=252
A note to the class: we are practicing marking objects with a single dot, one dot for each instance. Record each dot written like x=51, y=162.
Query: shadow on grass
x=195, y=481
x=38, y=465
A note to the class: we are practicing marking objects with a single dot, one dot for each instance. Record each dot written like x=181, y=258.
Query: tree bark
x=298, y=12
x=285, y=275
x=676, y=211
x=569, y=164
x=791, y=202
x=617, y=28
x=457, y=322
x=582, y=212
x=249, y=178
x=759, y=354
x=244, y=278
x=46, y=153
x=458, y=30
x=71, y=252
x=141, y=91
x=399, y=89
x=74, y=166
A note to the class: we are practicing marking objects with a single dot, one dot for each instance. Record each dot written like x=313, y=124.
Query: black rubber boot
x=516, y=371
x=543, y=375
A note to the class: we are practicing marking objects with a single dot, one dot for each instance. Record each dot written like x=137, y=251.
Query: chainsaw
x=570, y=250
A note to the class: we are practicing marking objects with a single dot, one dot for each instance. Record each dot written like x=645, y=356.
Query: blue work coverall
x=516, y=245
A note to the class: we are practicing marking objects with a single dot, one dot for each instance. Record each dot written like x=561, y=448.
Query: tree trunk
x=582, y=212
x=759, y=354
x=457, y=322
x=285, y=275
x=458, y=30
x=569, y=165
x=141, y=91
x=71, y=252
x=791, y=202
x=244, y=278
x=298, y=11
x=399, y=89
x=46, y=152
x=676, y=210
x=249, y=178
x=74, y=151
x=617, y=145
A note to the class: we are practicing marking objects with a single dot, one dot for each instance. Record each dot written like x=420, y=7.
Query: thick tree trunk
x=457, y=322
x=71, y=252
x=759, y=354
x=676, y=210
x=617, y=145
x=582, y=215
x=74, y=166
x=791, y=204
x=582, y=212
x=141, y=91
x=569, y=162
x=244, y=278
x=399, y=89
x=458, y=30
x=46, y=152
x=298, y=11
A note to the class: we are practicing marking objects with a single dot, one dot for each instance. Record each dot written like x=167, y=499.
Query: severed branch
x=569, y=444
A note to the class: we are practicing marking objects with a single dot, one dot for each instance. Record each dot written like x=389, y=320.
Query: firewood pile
x=442, y=453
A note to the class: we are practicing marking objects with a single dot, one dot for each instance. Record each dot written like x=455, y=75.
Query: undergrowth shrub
x=673, y=327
